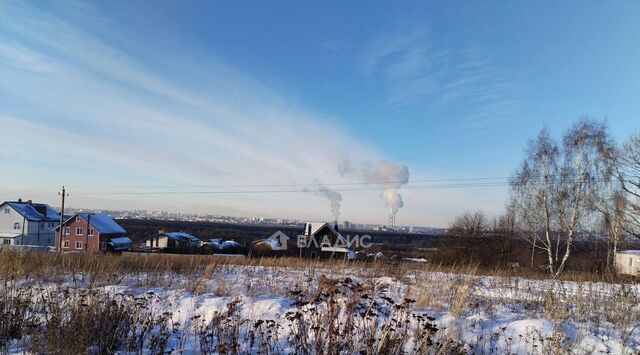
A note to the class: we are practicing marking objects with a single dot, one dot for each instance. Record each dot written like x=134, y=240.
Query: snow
x=335, y=249
x=9, y=235
x=415, y=260
x=630, y=252
x=227, y=244
x=501, y=315
x=182, y=236
x=120, y=240
x=315, y=226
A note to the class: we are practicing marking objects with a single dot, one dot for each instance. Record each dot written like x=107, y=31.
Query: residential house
x=172, y=241
x=321, y=240
x=318, y=240
x=92, y=232
x=27, y=223
x=218, y=246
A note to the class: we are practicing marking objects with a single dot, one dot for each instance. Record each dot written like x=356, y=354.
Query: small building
x=172, y=241
x=28, y=223
x=318, y=240
x=628, y=262
x=321, y=240
x=92, y=232
x=217, y=246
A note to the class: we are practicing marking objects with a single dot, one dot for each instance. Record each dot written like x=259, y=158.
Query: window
x=65, y=244
x=6, y=241
x=79, y=231
x=7, y=210
x=77, y=219
x=78, y=245
x=16, y=225
x=66, y=231
x=103, y=246
x=90, y=232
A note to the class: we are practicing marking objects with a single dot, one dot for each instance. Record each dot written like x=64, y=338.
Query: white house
x=628, y=262
x=27, y=223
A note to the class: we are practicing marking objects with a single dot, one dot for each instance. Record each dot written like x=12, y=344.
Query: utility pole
x=86, y=239
x=62, y=194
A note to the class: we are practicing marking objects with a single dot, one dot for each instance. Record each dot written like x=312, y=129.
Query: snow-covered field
x=255, y=309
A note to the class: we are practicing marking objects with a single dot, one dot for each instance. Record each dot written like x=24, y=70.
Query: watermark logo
x=280, y=241
x=348, y=241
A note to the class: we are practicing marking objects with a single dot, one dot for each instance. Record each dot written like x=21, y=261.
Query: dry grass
x=108, y=268
x=63, y=320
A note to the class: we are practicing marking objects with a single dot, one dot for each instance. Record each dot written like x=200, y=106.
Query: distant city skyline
x=300, y=110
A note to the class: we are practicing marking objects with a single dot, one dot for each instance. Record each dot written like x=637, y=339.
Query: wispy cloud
x=78, y=110
x=109, y=120
x=420, y=69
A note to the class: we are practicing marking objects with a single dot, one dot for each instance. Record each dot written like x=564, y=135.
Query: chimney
x=19, y=200
x=335, y=227
x=308, y=229
x=30, y=202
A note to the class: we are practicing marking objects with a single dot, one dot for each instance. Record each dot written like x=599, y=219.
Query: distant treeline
x=139, y=229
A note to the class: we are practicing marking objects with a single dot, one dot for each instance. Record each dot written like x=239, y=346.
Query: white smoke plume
x=389, y=175
x=334, y=197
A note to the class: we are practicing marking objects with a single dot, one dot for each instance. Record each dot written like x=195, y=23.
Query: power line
x=504, y=179
x=447, y=183
x=305, y=190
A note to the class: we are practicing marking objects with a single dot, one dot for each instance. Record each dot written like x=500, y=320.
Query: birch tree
x=629, y=176
x=556, y=186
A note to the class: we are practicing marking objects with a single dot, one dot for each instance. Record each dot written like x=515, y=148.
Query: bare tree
x=470, y=225
x=533, y=187
x=612, y=208
x=504, y=230
x=554, y=188
x=629, y=177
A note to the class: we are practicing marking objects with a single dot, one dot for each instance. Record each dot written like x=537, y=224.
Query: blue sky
x=160, y=95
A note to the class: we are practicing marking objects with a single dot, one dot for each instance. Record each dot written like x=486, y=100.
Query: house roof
x=36, y=212
x=219, y=244
x=120, y=241
x=101, y=222
x=182, y=236
x=315, y=226
x=336, y=249
x=629, y=252
x=350, y=254
x=9, y=235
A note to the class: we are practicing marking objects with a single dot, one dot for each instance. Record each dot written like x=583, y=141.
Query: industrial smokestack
x=334, y=197
x=391, y=177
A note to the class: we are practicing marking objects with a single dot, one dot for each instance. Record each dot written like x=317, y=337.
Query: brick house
x=92, y=232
